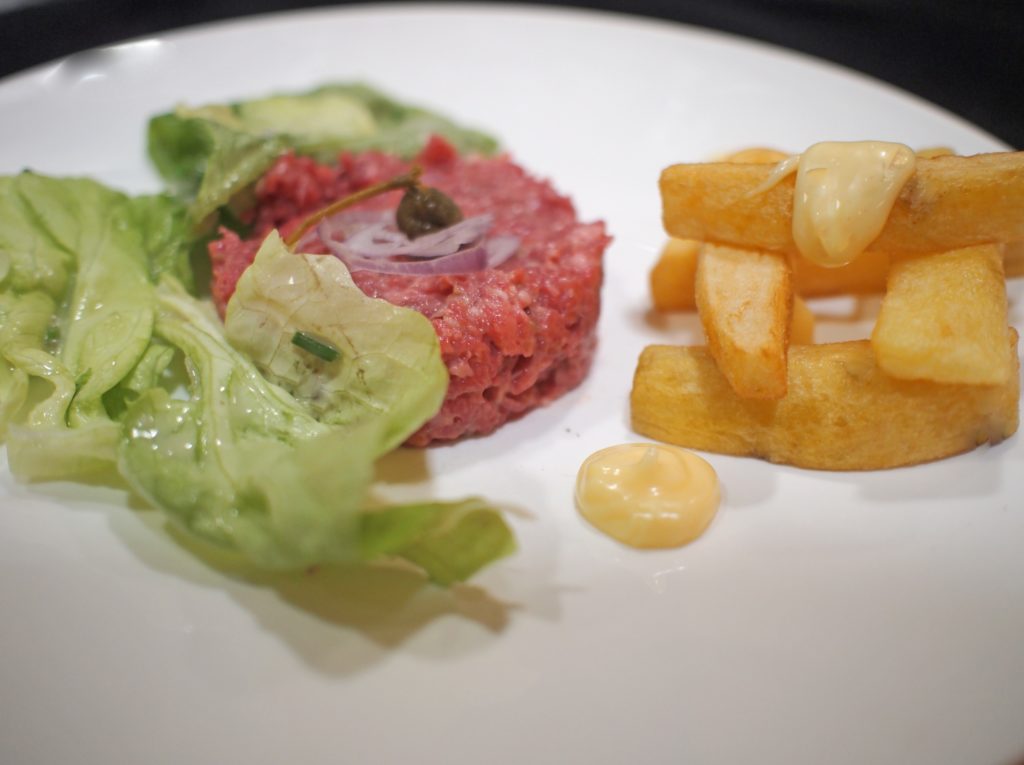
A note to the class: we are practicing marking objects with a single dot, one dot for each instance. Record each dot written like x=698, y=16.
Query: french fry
x=934, y=151
x=673, y=276
x=841, y=411
x=755, y=155
x=864, y=275
x=943, y=318
x=1013, y=258
x=744, y=300
x=949, y=202
x=801, y=323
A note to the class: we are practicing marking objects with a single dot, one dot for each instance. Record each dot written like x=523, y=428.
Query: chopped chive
x=319, y=348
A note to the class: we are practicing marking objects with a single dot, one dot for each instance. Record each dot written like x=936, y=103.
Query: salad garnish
x=259, y=434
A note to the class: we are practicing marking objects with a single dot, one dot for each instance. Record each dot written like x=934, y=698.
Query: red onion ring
x=380, y=240
x=490, y=254
x=500, y=249
x=368, y=241
x=348, y=222
x=383, y=240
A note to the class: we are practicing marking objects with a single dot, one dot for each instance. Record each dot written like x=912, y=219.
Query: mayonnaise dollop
x=648, y=495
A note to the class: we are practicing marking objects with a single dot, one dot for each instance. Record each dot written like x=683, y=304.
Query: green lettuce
x=93, y=324
x=211, y=154
x=246, y=466
x=76, y=313
x=388, y=362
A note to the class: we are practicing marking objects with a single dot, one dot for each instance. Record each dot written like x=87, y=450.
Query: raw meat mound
x=514, y=337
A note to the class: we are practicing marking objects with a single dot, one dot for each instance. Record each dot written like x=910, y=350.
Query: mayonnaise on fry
x=843, y=195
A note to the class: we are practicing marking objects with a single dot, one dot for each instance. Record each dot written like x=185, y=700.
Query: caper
x=424, y=210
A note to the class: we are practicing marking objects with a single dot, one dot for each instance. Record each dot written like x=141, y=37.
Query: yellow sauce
x=934, y=151
x=843, y=195
x=648, y=495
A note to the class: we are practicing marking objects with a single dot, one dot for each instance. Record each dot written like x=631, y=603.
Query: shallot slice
x=349, y=222
x=490, y=254
x=380, y=239
x=369, y=241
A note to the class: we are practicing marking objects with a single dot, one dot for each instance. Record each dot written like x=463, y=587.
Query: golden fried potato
x=744, y=300
x=1013, y=258
x=754, y=155
x=950, y=202
x=934, y=151
x=841, y=411
x=943, y=318
x=864, y=275
x=801, y=323
x=672, y=277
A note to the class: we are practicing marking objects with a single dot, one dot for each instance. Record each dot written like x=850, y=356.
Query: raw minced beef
x=514, y=337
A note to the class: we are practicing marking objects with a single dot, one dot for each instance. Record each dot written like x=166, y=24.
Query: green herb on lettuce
x=322, y=349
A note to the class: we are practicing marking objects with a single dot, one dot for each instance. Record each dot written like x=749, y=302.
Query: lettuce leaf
x=244, y=465
x=211, y=154
x=240, y=463
x=449, y=541
x=389, y=360
x=207, y=161
x=92, y=322
x=76, y=306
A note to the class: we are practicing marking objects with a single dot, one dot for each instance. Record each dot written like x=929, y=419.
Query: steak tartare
x=513, y=337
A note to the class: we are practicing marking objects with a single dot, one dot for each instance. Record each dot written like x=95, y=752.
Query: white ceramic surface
x=824, y=618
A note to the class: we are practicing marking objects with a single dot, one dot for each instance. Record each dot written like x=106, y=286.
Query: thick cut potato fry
x=948, y=203
x=841, y=412
x=754, y=155
x=1013, y=259
x=943, y=318
x=864, y=275
x=674, y=275
x=744, y=300
x=801, y=323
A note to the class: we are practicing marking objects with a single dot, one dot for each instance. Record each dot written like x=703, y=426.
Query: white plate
x=840, y=618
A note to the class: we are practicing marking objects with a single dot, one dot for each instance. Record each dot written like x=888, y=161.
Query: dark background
x=964, y=56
